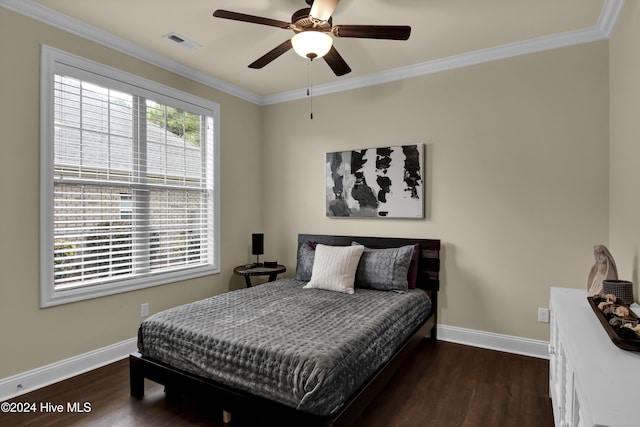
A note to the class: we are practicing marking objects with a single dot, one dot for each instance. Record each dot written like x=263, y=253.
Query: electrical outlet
x=144, y=309
x=543, y=315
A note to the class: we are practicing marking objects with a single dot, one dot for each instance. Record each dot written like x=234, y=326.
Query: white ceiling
x=444, y=33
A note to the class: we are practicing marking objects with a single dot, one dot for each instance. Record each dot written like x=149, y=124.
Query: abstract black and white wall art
x=386, y=182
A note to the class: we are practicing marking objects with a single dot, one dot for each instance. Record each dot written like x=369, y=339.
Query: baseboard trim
x=25, y=382
x=34, y=379
x=489, y=340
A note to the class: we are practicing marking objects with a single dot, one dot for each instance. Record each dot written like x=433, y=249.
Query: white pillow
x=334, y=268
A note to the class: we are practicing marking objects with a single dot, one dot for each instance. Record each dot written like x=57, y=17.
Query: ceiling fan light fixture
x=312, y=44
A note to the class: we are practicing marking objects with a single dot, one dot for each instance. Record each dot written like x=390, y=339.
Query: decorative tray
x=628, y=342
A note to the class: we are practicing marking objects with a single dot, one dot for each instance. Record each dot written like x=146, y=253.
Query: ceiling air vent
x=182, y=41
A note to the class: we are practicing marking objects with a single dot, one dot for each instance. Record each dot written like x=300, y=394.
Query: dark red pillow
x=412, y=275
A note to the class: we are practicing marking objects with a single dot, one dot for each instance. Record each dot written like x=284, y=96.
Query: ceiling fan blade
x=323, y=9
x=335, y=61
x=387, y=32
x=271, y=55
x=250, y=18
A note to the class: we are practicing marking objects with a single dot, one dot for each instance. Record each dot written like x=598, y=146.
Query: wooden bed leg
x=226, y=417
x=136, y=378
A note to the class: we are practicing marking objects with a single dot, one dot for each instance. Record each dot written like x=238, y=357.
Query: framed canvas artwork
x=385, y=182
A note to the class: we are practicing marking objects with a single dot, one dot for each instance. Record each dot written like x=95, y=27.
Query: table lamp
x=257, y=247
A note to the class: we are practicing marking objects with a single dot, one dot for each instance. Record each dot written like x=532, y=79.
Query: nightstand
x=247, y=272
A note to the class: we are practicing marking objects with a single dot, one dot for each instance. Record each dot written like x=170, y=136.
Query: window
x=129, y=195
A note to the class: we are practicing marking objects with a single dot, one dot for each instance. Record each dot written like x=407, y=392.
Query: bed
x=292, y=354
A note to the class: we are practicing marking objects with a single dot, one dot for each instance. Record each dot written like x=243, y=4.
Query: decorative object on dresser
x=385, y=182
x=622, y=289
x=591, y=381
x=620, y=323
x=603, y=269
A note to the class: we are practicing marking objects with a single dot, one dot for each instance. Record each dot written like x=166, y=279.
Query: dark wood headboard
x=428, y=266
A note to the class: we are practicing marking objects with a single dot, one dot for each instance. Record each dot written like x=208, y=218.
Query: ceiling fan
x=314, y=25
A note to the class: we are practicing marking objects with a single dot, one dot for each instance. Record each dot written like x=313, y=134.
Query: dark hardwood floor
x=442, y=385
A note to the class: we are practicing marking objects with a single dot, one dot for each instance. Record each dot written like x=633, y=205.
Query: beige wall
x=516, y=181
x=31, y=337
x=625, y=144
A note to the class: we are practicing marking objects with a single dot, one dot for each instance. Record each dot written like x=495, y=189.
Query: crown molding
x=74, y=26
x=443, y=64
x=609, y=16
x=606, y=22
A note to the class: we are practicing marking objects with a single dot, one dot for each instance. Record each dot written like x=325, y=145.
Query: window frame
x=52, y=61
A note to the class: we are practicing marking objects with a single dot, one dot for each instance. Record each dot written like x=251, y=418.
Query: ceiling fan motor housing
x=301, y=20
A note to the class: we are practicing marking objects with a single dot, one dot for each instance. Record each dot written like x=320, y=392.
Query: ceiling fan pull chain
x=310, y=86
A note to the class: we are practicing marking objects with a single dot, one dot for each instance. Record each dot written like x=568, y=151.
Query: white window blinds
x=131, y=175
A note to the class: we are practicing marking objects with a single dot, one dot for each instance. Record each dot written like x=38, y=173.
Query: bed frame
x=232, y=400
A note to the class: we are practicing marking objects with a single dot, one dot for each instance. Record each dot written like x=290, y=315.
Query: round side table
x=248, y=271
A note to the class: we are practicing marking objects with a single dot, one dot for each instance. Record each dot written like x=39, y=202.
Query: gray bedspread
x=307, y=348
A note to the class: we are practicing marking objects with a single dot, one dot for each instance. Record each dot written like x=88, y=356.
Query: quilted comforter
x=307, y=348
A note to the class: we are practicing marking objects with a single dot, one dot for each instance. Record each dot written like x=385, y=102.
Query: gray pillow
x=304, y=266
x=384, y=269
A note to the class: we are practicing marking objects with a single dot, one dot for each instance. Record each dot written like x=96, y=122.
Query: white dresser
x=591, y=381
